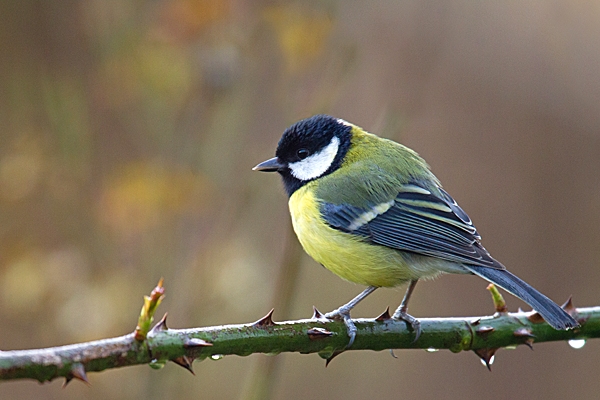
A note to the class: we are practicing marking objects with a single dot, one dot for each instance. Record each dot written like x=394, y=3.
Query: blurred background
x=129, y=129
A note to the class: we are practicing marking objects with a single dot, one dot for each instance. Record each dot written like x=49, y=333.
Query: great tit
x=370, y=210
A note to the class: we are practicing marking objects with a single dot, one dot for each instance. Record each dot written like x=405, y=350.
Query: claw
x=351, y=328
x=412, y=321
x=344, y=315
x=401, y=313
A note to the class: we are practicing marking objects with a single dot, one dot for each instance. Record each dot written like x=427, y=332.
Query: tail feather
x=552, y=313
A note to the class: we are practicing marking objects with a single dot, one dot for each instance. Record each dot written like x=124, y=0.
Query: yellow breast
x=347, y=255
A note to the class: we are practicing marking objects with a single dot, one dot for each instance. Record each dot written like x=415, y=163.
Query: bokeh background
x=128, y=130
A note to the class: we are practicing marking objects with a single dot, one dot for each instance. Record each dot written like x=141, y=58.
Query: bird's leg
x=401, y=312
x=343, y=312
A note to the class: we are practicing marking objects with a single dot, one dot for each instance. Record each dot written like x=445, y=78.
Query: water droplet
x=157, y=364
x=490, y=362
x=577, y=343
x=216, y=357
x=432, y=350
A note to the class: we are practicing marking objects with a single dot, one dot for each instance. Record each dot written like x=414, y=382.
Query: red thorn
x=529, y=343
x=535, y=318
x=484, y=330
x=486, y=355
x=195, y=342
x=184, y=362
x=568, y=304
x=77, y=372
x=267, y=320
x=316, y=313
x=335, y=354
x=569, y=307
x=384, y=316
x=318, y=333
x=523, y=332
x=160, y=325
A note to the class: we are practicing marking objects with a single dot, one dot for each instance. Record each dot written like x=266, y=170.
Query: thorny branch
x=483, y=335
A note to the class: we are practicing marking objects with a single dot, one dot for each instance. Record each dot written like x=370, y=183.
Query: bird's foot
x=343, y=314
x=401, y=315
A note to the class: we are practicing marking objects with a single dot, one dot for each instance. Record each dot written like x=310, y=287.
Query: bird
x=371, y=211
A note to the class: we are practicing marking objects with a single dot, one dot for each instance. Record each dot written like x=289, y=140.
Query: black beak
x=271, y=165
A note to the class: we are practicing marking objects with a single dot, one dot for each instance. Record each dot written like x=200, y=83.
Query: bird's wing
x=418, y=221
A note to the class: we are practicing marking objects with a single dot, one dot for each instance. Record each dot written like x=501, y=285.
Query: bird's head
x=308, y=150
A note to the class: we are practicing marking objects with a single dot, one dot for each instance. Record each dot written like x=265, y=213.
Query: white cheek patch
x=315, y=165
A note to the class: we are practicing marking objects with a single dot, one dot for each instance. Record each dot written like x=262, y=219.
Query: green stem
x=482, y=334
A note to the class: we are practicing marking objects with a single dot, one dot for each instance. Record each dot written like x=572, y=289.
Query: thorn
x=77, y=372
x=476, y=322
x=569, y=307
x=486, y=356
x=523, y=332
x=195, y=342
x=316, y=313
x=529, y=343
x=484, y=330
x=318, y=333
x=568, y=304
x=535, y=318
x=335, y=354
x=160, y=325
x=384, y=315
x=520, y=310
x=184, y=362
x=392, y=353
x=267, y=320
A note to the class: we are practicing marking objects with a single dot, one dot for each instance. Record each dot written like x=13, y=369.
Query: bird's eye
x=302, y=154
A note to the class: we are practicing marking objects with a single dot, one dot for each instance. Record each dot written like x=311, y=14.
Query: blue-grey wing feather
x=418, y=221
